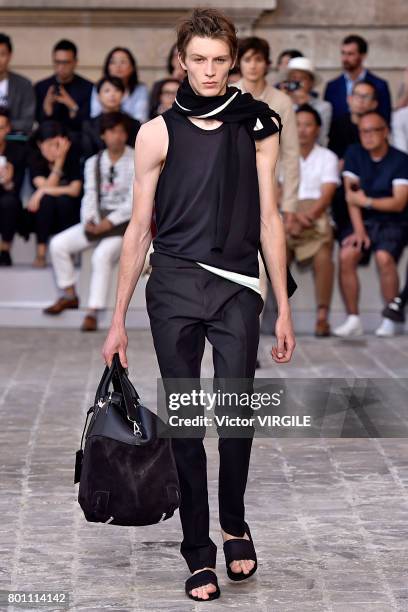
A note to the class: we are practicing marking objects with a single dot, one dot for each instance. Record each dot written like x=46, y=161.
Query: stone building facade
x=148, y=29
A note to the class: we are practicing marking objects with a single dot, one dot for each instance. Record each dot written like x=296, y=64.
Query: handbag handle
x=116, y=374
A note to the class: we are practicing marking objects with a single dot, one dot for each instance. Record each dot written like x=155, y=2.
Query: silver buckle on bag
x=136, y=429
x=102, y=402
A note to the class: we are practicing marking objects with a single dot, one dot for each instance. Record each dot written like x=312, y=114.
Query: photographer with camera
x=300, y=82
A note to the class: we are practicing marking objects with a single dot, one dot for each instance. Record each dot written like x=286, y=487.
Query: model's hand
x=282, y=352
x=116, y=342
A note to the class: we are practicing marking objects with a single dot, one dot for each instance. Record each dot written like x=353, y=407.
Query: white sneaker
x=351, y=327
x=387, y=329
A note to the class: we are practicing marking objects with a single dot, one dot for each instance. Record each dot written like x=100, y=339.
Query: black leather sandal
x=238, y=549
x=200, y=579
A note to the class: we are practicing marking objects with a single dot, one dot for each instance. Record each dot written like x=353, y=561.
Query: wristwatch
x=369, y=204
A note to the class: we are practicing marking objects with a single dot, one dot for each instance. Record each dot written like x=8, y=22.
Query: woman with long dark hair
x=56, y=177
x=174, y=70
x=121, y=63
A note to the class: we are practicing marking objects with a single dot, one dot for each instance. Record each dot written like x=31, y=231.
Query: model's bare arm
x=274, y=245
x=150, y=151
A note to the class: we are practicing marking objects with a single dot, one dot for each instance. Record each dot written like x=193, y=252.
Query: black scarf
x=232, y=108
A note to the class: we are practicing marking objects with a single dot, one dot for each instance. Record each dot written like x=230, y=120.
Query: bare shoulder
x=152, y=140
x=268, y=146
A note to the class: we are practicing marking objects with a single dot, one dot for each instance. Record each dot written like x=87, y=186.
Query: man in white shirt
x=311, y=241
x=106, y=207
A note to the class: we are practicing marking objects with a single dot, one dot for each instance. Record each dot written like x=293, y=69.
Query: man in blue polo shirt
x=376, y=184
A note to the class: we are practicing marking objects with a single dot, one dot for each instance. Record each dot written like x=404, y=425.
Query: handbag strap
x=117, y=375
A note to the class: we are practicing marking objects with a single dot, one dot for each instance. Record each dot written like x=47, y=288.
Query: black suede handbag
x=127, y=474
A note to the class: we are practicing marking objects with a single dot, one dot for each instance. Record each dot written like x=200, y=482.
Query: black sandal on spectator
x=238, y=549
x=200, y=579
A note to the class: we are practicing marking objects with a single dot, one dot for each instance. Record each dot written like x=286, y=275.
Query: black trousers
x=187, y=304
x=55, y=214
x=10, y=206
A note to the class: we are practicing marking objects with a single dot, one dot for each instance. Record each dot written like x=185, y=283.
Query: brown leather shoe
x=322, y=329
x=89, y=324
x=63, y=303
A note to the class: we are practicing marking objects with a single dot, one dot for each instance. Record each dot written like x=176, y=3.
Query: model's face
x=110, y=97
x=308, y=130
x=120, y=65
x=5, y=57
x=373, y=132
x=207, y=61
x=362, y=99
x=351, y=58
x=305, y=79
x=64, y=65
x=4, y=129
x=115, y=138
x=253, y=66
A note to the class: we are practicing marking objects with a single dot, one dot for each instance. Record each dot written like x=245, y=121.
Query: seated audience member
x=344, y=129
x=174, y=71
x=106, y=208
x=110, y=91
x=343, y=133
x=12, y=166
x=165, y=96
x=254, y=62
x=282, y=64
x=394, y=311
x=399, y=124
x=310, y=239
x=121, y=63
x=56, y=176
x=16, y=92
x=64, y=96
x=301, y=78
x=376, y=183
x=354, y=50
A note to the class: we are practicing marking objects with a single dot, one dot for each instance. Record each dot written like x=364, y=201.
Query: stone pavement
x=329, y=517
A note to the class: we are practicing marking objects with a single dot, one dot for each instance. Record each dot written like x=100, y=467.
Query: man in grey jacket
x=16, y=92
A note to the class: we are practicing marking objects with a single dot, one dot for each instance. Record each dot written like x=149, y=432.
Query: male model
x=208, y=165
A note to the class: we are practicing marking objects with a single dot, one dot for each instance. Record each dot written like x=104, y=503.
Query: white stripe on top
x=242, y=279
x=213, y=112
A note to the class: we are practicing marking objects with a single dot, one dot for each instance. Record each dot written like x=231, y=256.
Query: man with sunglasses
x=376, y=184
x=106, y=205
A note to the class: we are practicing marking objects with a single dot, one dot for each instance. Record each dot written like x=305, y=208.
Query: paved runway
x=329, y=517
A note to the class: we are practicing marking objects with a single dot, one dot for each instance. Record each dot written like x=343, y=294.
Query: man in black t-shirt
x=12, y=166
x=65, y=96
x=376, y=184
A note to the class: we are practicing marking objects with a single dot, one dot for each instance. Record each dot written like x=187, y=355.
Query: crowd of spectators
x=342, y=175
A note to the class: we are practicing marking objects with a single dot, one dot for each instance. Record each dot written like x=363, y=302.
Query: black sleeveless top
x=188, y=191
